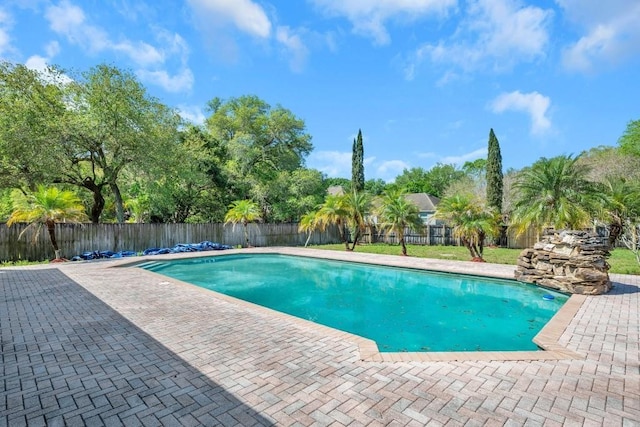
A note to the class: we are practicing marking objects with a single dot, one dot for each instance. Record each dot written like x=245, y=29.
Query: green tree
x=605, y=163
x=115, y=125
x=32, y=117
x=630, y=141
x=494, y=173
x=243, y=212
x=554, y=193
x=476, y=169
x=396, y=213
x=621, y=207
x=357, y=164
x=334, y=212
x=46, y=206
x=308, y=224
x=260, y=142
x=412, y=180
x=292, y=194
x=6, y=205
x=471, y=219
x=192, y=188
x=434, y=181
x=358, y=207
x=375, y=187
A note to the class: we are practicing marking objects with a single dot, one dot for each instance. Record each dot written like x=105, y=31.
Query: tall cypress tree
x=494, y=173
x=357, y=164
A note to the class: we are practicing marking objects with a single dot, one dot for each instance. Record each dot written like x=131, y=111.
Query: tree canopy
x=261, y=143
x=630, y=141
x=554, y=193
x=434, y=181
x=396, y=213
x=32, y=116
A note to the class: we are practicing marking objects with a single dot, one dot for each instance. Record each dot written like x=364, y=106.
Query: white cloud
x=368, y=17
x=180, y=82
x=192, y=113
x=5, y=40
x=293, y=44
x=461, y=159
x=612, y=33
x=496, y=33
x=390, y=169
x=335, y=164
x=140, y=52
x=427, y=155
x=37, y=63
x=246, y=15
x=533, y=103
x=41, y=63
x=52, y=49
x=70, y=21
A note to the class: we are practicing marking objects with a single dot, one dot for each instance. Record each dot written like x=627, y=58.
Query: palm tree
x=554, y=193
x=471, y=219
x=333, y=211
x=345, y=211
x=397, y=213
x=244, y=212
x=308, y=224
x=621, y=206
x=47, y=206
x=358, y=206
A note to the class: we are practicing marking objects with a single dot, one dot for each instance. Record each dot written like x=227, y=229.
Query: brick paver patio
x=90, y=344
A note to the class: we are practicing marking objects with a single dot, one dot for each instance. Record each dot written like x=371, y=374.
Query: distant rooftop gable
x=425, y=202
x=335, y=190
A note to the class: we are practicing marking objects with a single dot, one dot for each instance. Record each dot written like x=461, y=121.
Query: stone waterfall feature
x=568, y=261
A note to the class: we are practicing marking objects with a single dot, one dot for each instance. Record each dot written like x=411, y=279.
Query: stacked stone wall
x=569, y=261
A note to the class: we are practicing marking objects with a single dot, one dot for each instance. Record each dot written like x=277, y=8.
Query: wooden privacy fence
x=432, y=235
x=75, y=239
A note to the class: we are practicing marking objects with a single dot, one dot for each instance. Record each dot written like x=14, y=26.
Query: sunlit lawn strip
x=622, y=260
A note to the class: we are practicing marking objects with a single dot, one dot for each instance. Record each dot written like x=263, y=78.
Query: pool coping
x=548, y=339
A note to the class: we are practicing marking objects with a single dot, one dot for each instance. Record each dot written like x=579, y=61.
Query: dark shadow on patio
x=69, y=359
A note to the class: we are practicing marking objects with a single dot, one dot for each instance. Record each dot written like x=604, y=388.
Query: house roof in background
x=335, y=190
x=424, y=201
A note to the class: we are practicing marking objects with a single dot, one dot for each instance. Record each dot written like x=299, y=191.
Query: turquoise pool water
x=400, y=309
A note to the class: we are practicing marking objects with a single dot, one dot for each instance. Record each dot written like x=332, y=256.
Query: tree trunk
x=98, y=199
x=246, y=235
x=343, y=235
x=52, y=236
x=117, y=196
x=615, y=229
x=355, y=240
x=404, y=247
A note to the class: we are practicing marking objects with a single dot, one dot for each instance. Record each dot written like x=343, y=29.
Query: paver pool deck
x=95, y=343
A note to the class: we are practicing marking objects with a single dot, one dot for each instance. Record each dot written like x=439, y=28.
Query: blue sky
x=425, y=80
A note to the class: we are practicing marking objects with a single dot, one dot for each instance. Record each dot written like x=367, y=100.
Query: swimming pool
x=400, y=309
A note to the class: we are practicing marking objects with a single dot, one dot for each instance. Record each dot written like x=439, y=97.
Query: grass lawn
x=622, y=260
x=20, y=263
